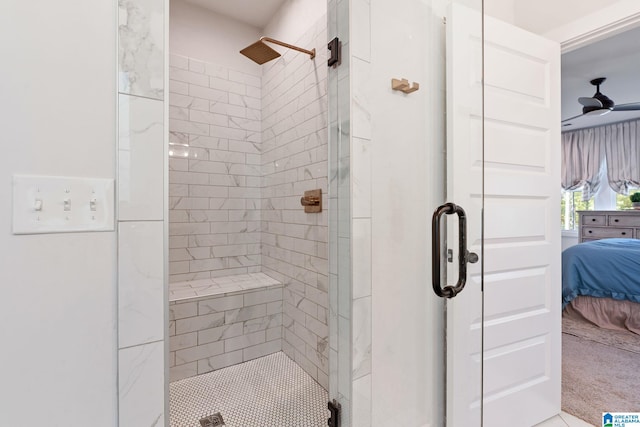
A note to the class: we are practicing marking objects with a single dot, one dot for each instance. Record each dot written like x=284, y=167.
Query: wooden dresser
x=595, y=225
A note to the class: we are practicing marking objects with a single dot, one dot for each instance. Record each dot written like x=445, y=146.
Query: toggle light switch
x=43, y=204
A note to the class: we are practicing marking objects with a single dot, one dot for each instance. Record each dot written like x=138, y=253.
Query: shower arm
x=311, y=52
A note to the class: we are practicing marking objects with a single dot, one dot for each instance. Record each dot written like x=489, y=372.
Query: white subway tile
x=199, y=352
x=263, y=323
x=248, y=79
x=183, y=310
x=261, y=297
x=244, y=341
x=180, y=372
x=177, y=229
x=198, y=323
x=207, y=240
x=227, y=133
x=244, y=101
x=261, y=350
x=185, y=101
x=219, y=362
x=209, y=118
x=227, y=85
x=196, y=66
x=208, y=265
x=178, y=61
x=182, y=341
x=216, y=70
x=188, y=203
x=220, y=304
x=220, y=333
x=207, y=93
x=245, y=313
x=189, y=77
x=189, y=127
x=209, y=142
x=181, y=88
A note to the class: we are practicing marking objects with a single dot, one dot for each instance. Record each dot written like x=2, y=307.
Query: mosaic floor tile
x=271, y=391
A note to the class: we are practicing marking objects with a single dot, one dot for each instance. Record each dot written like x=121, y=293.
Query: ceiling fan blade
x=632, y=106
x=590, y=102
x=572, y=118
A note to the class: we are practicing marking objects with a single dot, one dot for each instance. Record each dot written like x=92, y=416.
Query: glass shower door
x=444, y=253
x=390, y=164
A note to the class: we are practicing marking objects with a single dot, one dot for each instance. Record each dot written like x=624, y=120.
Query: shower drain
x=214, y=420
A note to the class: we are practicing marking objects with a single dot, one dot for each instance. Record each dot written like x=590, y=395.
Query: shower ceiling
x=256, y=13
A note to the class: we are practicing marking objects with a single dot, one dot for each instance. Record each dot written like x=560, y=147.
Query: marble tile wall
x=214, y=332
x=294, y=159
x=214, y=170
x=142, y=294
x=361, y=213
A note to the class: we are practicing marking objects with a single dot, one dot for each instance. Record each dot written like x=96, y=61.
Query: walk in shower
x=421, y=115
x=247, y=265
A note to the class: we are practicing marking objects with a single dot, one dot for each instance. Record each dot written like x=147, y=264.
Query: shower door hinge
x=335, y=47
x=335, y=409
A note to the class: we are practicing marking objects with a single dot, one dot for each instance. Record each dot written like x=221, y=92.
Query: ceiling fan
x=600, y=104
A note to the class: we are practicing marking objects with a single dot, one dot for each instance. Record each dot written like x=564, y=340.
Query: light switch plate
x=53, y=204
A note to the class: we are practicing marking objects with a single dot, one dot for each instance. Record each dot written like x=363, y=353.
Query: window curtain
x=582, y=159
x=623, y=155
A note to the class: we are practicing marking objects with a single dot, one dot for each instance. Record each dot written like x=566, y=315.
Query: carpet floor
x=600, y=370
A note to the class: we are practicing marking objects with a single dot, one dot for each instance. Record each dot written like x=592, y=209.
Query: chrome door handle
x=464, y=256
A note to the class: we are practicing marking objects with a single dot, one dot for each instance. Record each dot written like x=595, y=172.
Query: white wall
x=561, y=20
x=293, y=20
x=503, y=10
x=199, y=33
x=542, y=16
x=58, y=309
x=569, y=239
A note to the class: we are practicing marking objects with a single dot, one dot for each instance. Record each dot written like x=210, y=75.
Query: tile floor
x=270, y=391
x=564, y=420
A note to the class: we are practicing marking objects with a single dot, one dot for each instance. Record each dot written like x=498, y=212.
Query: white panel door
x=519, y=166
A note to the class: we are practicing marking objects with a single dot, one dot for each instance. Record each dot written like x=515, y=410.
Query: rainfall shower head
x=259, y=52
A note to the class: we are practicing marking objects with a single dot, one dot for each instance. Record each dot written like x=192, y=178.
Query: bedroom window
x=622, y=201
x=571, y=203
x=605, y=199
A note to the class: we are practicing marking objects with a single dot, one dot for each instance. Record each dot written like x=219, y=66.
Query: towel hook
x=403, y=85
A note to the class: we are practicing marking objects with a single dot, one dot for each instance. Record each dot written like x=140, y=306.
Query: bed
x=601, y=283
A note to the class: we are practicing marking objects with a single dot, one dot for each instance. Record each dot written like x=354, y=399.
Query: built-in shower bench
x=219, y=322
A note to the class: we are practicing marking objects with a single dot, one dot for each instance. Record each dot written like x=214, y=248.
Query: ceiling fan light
x=598, y=112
